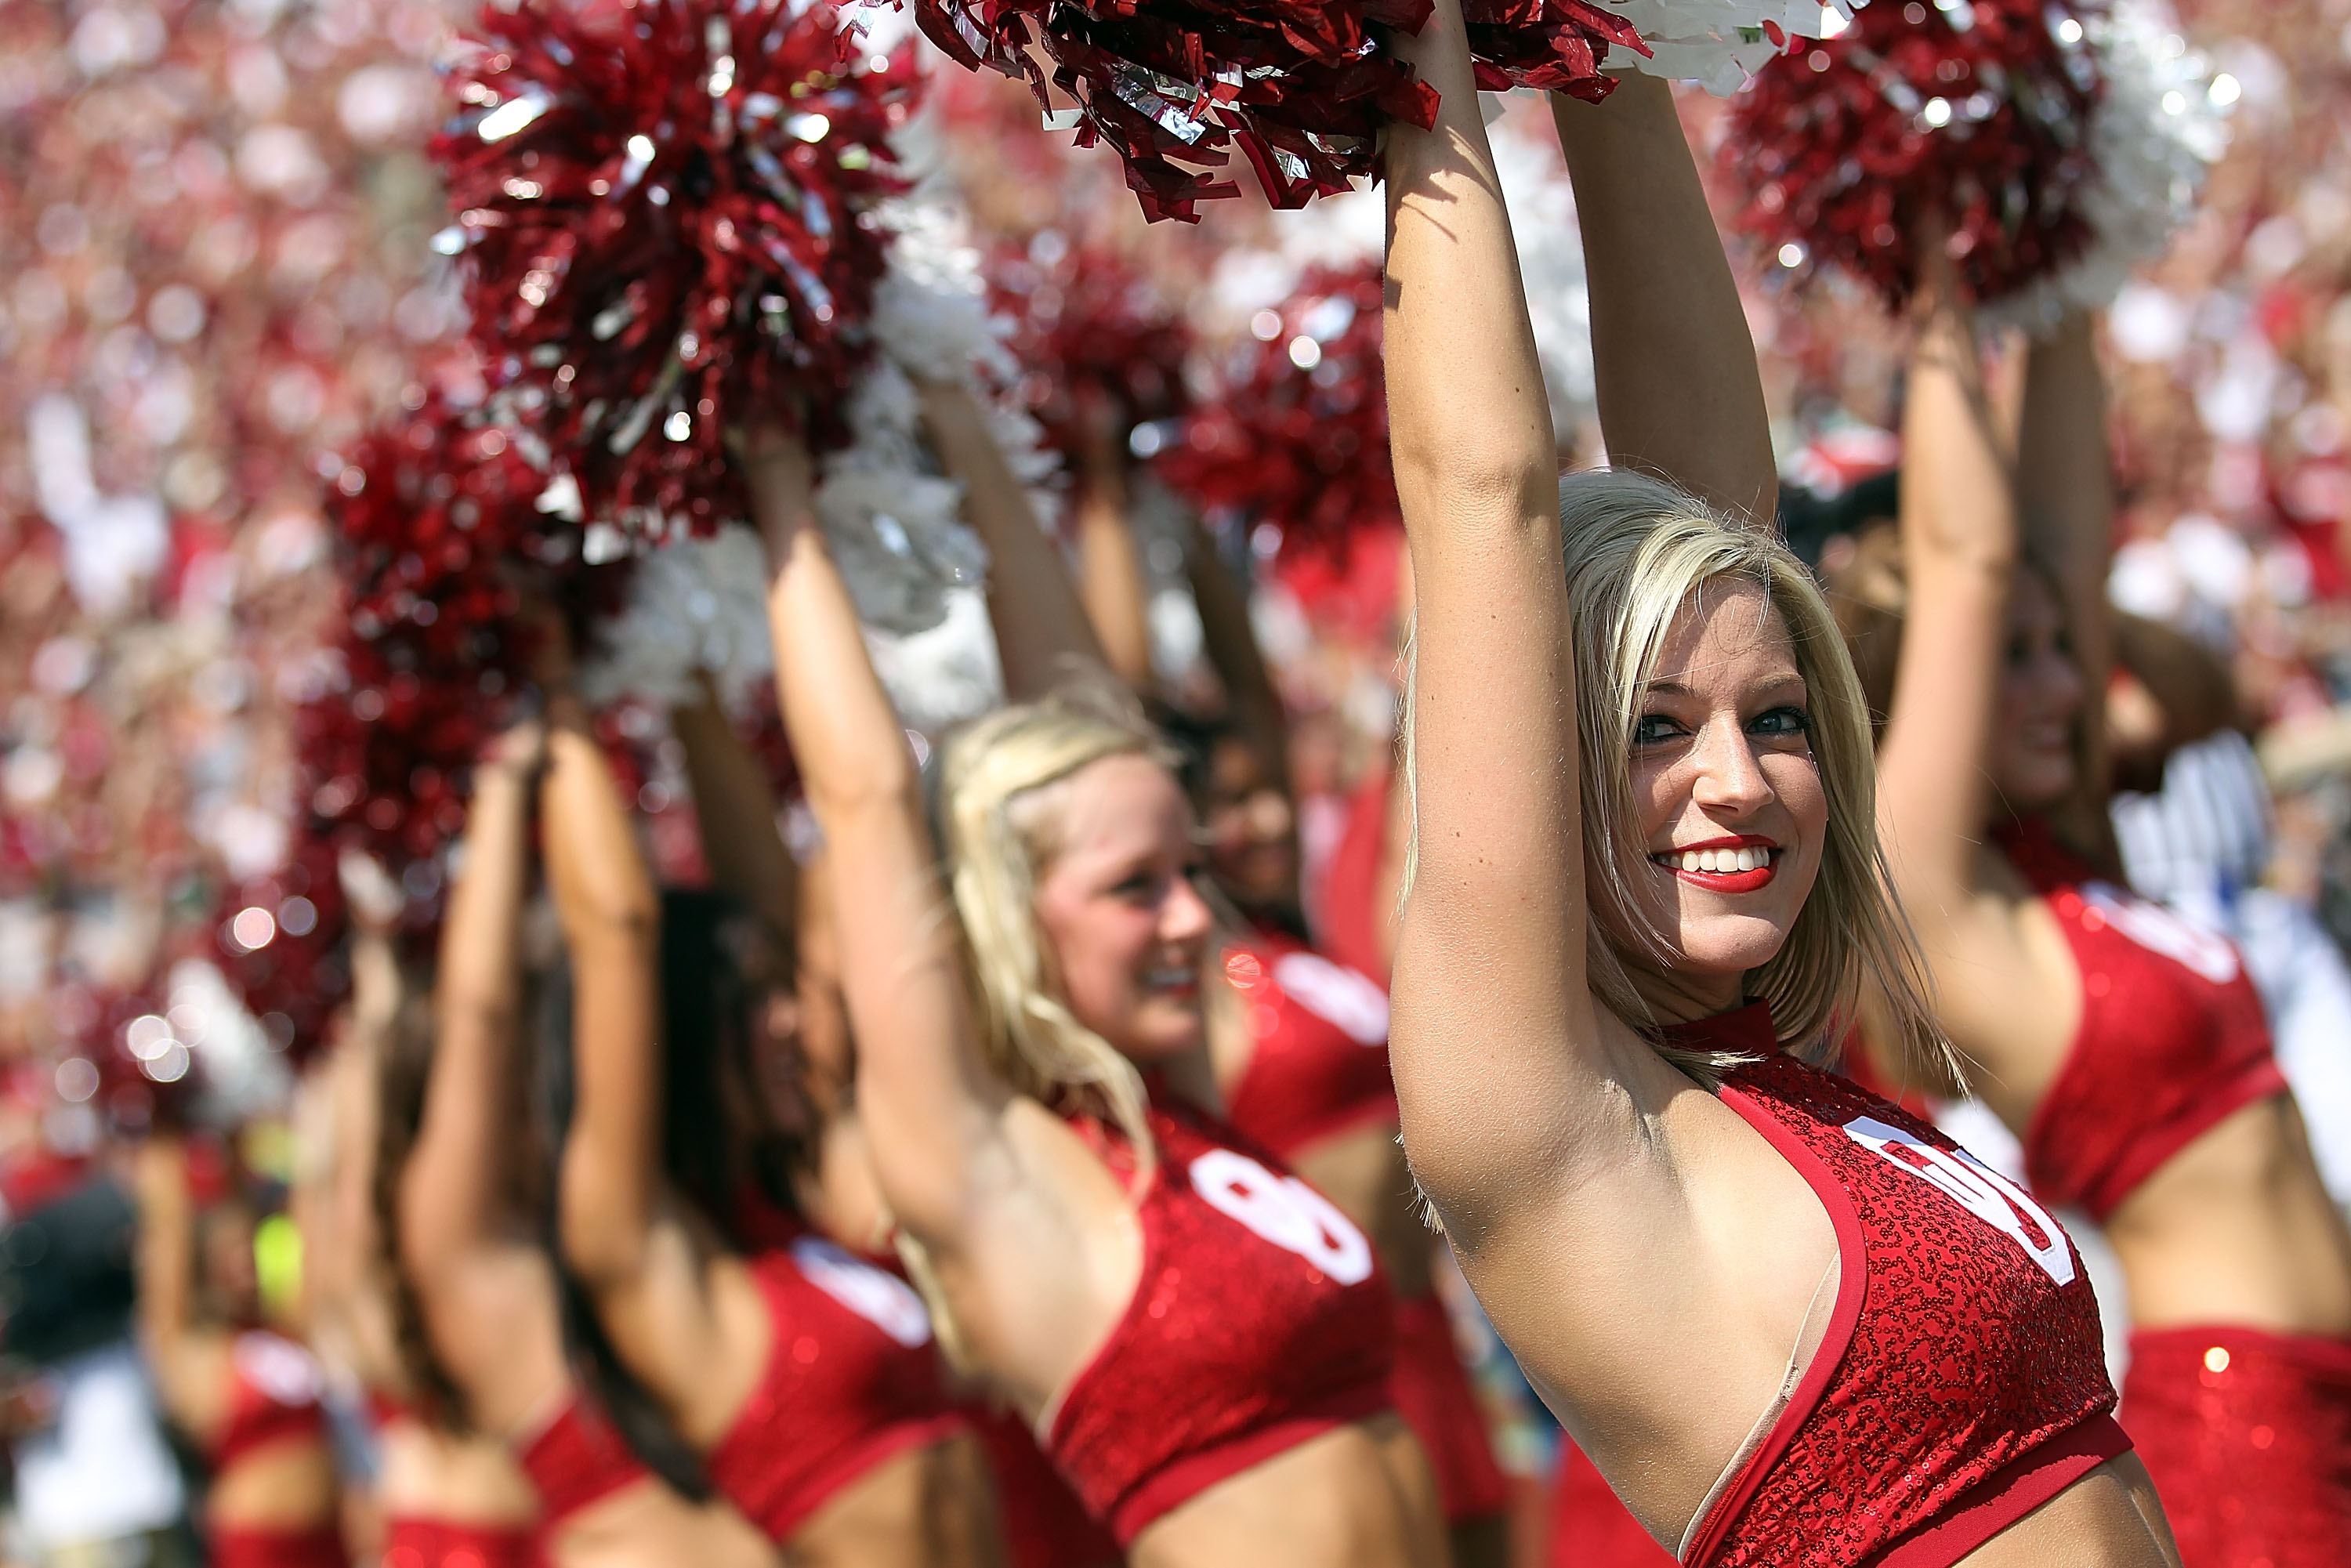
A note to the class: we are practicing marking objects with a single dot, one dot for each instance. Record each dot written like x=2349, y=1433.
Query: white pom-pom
x=947, y=674
x=2155, y=135
x=891, y=519
x=1719, y=44
x=695, y=606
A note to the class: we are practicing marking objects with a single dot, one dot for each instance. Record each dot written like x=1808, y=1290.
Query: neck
x=1685, y=996
x=1190, y=1078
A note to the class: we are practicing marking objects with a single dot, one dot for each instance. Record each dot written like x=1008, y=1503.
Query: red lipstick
x=1723, y=876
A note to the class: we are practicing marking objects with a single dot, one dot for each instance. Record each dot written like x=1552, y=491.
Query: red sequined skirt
x=2248, y=1435
x=228, y=1547
x=433, y=1544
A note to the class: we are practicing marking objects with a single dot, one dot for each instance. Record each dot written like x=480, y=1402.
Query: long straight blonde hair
x=1636, y=552
x=1000, y=798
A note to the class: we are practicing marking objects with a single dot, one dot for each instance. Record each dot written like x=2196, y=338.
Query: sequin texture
x=844, y=1389
x=1320, y=1063
x=2172, y=1037
x=2248, y=1435
x=576, y=1461
x=1262, y=1319
x=1962, y=1381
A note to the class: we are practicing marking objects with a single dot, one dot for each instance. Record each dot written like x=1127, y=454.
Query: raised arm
x=1680, y=395
x=1229, y=639
x=1959, y=552
x=165, y=1264
x=604, y=896
x=342, y=1253
x=2065, y=505
x=931, y=1107
x=736, y=811
x=1110, y=579
x=1491, y=948
x=454, y=1192
x=1041, y=629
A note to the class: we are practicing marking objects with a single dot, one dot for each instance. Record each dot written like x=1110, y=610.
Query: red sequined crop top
x=1962, y=1382
x=274, y=1396
x=575, y=1459
x=1262, y=1320
x=2172, y=1039
x=852, y=1379
x=1319, y=1065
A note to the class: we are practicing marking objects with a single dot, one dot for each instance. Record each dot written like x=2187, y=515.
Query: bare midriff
x=2237, y=1229
x=1360, y=1495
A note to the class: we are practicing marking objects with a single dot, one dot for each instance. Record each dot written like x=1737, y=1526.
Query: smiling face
x=1726, y=791
x=1252, y=834
x=2033, y=761
x=1125, y=931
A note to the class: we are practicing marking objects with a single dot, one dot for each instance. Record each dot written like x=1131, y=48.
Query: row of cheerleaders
x=1001, y=1167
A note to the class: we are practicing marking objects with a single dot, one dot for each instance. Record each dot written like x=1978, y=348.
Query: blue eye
x=1655, y=727
x=1784, y=721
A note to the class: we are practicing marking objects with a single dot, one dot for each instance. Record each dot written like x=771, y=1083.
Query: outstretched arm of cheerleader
x=457, y=1231
x=1489, y=995
x=931, y=1107
x=1680, y=395
x=1960, y=549
x=190, y=1382
x=1110, y=579
x=2065, y=507
x=736, y=809
x=1042, y=634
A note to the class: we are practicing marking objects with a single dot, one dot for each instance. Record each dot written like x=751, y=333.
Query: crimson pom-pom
x=1088, y=329
x=280, y=946
x=663, y=211
x=1976, y=111
x=1551, y=45
x=1297, y=433
x=1301, y=88
x=435, y=519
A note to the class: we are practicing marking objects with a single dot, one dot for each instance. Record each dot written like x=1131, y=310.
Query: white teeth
x=1746, y=860
x=1690, y=859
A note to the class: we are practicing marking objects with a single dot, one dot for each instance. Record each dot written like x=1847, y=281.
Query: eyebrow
x=1676, y=688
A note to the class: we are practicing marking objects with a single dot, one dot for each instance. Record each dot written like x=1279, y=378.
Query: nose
x=1185, y=916
x=1730, y=779
x=2060, y=681
x=1269, y=816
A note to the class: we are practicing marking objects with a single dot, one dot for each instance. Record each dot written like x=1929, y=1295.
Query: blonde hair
x=1636, y=551
x=1000, y=805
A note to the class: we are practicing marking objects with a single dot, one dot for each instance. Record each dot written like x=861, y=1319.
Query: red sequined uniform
x=1262, y=1320
x=2252, y=1456
x=273, y=1399
x=852, y=1379
x=1961, y=1383
x=417, y=1542
x=1318, y=1070
x=437, y=1543
x=576, y=1460
x=1045, y=1524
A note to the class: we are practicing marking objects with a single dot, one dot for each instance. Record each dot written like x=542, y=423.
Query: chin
x=1731, y=944
x=1255, y=882
x=2037, y=784
x=1163, y=1034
